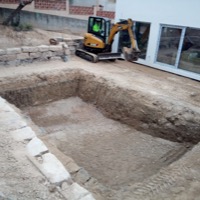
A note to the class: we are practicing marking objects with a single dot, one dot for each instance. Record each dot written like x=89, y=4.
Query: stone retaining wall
x=29, y=54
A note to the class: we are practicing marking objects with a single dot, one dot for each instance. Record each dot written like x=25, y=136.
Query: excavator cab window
x=100, y=27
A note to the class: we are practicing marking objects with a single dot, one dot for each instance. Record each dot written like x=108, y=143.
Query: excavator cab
x=100, y=27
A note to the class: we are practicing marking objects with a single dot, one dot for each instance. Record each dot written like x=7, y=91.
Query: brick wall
x=80, y=10
x=107, y=14
x=50, y=4
x=9, y=1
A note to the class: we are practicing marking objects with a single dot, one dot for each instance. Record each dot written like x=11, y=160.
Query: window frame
x=178, y=55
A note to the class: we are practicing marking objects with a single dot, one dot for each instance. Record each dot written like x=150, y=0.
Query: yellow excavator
x=97, y=44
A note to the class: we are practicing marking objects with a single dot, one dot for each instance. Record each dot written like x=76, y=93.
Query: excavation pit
x=117, y=135
x=114, y=153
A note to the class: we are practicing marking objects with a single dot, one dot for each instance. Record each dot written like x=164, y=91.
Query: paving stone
x=36, y=147
x=27, y=49
x=75, y=192
x=10, y=51
x=52, y=168
x=23, y=134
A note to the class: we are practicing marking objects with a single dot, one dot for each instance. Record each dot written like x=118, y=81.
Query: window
x=190, y=53
x=169, y=45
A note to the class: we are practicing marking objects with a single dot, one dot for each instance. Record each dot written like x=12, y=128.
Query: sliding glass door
x=190, y=54
x=169, y=45
x=179, y=47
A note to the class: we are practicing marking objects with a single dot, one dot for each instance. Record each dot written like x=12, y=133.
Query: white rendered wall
x=172, y=12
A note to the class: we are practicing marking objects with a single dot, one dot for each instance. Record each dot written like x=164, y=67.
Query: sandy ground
x=10, y=38
x=114, y=153
x=152, y=82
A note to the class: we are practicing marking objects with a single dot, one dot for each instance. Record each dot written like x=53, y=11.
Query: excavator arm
x=130, y=54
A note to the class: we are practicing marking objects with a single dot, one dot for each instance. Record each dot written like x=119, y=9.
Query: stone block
x=22, y=56
x=11, y=57
x=43, y=48
x=35, y=55
x=64, y=45
x=11, y=121
x=8, y=57
x=52, y=168
x=3, y=58
x=57, y=53
x=15, y=62
x=47, y=54
x=36, y=147
x=75, y=192
x=56, y=58
x=27, y=49
x=10, y=51
x=55, y=48
x=2, y=52
x=23, y=134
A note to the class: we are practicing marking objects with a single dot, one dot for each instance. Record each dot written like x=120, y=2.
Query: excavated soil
x=114, y=153
x=119, y=135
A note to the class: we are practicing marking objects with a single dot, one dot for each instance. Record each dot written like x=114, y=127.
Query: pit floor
x=114, y=153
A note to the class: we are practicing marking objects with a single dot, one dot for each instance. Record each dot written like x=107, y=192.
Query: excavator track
x=87, y=55
x=97, y=57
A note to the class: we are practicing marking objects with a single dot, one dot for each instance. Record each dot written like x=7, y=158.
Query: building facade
x=168, y=34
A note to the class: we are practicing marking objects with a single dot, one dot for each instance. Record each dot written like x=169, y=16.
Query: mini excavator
x=97, y=43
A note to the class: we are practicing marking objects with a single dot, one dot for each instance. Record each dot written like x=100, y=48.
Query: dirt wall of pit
x=153, y=115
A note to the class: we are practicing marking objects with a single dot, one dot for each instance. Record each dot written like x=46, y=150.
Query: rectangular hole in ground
x=114, y=153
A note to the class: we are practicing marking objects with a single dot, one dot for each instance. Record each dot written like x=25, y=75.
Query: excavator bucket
x=130, y=54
